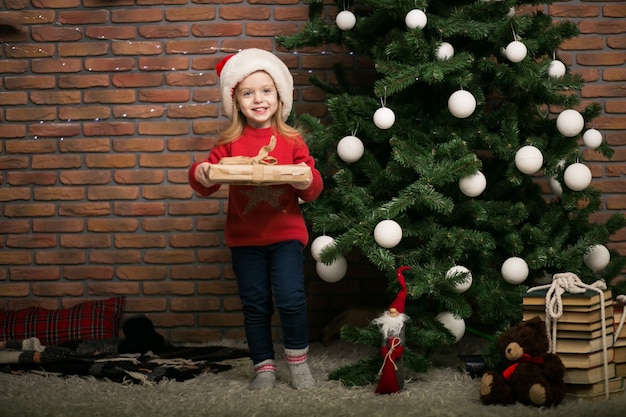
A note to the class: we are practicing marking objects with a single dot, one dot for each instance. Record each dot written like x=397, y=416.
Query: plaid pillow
x=97, y=319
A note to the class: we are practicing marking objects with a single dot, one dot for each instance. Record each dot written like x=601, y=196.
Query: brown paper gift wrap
x=260, y=174
x=258, y=170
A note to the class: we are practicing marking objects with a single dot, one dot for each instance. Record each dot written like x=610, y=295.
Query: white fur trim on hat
x=244, y=63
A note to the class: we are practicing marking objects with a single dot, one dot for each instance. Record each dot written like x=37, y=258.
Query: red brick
x=138, y=112
x=31, y=178
x=111, y=32
x=83, y=49
x=82, y=177
x=58, y=290
x=139, y=241
x=190, y=14
x=138, y=177
x=83, y=81
x=31, y=241
x=137, y=80
x=85, y=145
x=31, y=146
x=37, y=273
x=141, y=273
x=84, y=113
x=169, y=288
x=101, y=192
x=195, y=304
x=58, y=225
x=85, y=241
x=60, y=258
x=84, y=209
x=166, y=192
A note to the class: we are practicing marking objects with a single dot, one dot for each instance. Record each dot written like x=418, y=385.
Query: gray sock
x=265, y=378
x=301, y=377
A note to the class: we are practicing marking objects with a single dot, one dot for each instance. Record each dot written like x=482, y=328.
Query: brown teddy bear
x=535, y=376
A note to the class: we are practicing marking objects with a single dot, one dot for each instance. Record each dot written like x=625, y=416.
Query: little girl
x=265, y=229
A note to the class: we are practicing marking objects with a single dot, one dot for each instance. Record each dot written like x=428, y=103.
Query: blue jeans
x=266, y=273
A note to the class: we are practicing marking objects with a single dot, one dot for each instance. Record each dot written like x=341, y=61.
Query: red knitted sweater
x=263, y=215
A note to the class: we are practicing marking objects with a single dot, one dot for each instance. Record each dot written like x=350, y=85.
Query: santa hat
x=234, y=68
x=400, y=300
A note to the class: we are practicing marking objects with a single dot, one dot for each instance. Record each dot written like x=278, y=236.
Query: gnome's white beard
x=390, y=326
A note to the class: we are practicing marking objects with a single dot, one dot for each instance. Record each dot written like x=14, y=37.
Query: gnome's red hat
x=400, y=300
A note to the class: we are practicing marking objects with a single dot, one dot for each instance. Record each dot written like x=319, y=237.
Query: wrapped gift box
x=260, y=174
x=258, y=170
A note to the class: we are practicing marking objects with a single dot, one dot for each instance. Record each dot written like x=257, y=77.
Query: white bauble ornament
x=597, y=258
x=345, y=20
x=333, y=272
x=445, y=51
x=514, y=270
x=557, y=69
x=473, y=185
x=415, y=19
x=592, y=138
x=528, y=159
x=319, y=244
x=511, y=12
x=555, y=186
x=516, y=51
x=388, y=233
x=455, y=325
x=461, y=104
x=464, y=285
x=577, y=176
x=384, y=118
x=570, y=123
x=350, y=149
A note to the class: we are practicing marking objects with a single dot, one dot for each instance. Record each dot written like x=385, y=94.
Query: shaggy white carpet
x=442, y=392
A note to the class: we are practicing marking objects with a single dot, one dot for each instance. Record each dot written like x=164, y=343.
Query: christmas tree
x=461, y=159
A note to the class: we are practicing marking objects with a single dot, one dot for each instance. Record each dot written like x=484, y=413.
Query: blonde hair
x=238, y=123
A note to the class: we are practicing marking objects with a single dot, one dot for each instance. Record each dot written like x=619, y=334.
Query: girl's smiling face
x=257, y=99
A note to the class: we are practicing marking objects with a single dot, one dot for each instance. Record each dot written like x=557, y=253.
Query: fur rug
x=442, y=392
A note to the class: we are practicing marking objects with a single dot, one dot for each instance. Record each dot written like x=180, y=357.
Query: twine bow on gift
x=570, y=282
x=262, y=157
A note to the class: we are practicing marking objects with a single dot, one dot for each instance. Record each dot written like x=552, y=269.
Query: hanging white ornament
x=415, y=19
x=334, y=271
x=388, y=233
x=514, y=270
x=511, y=12
x=528, y=159
x=597, y=258
x=570, y=123
x=557, y=69
x=473, y=185
x=516, y=51
x=555, y=186
x=455, y=325
x=445, y=51
x=384, y=118
x=350, y=149
x=345, y=20
x=577, y=176
x=319, y=244
x=464, y=285
x=592, y=138
x=461, y=104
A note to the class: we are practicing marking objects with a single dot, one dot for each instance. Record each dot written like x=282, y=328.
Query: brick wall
x=105, y=103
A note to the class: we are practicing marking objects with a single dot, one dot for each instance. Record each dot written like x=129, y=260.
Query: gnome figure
x=391, y=325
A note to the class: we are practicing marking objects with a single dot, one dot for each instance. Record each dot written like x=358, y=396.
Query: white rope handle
x=570, y=282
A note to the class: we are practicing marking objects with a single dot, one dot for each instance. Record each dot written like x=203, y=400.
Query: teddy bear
x=534, y=377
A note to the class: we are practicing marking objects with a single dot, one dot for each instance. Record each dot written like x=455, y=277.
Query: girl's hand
x=303, y=186
x=202, y=174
